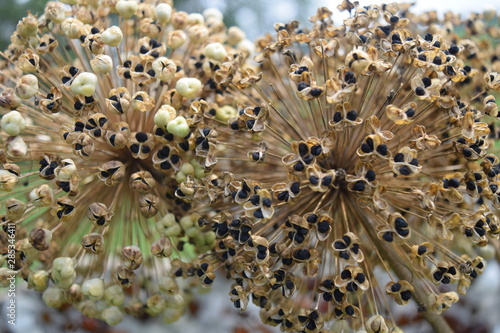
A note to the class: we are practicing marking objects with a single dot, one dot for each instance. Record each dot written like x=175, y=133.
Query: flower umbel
x=101, y=107
x=359, y=149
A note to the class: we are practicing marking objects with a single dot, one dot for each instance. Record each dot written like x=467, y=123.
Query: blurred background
x=255, y=17
x=213, y=313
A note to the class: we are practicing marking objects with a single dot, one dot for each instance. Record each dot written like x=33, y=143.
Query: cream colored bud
x=168, y=285
x=84, y=84
x=101, y=64
x=53, y=297
x=163, y=13
x=93, y=288
x=216, y=51
x=13, y=123
x=178, y=127
x=376, y=324
x=126, y=8
x=42, y=196
x=9, y=99
x=16, y=147
x=28, y=26
x=213, y=13
x=72, y=28
x=7, y=180
x=66, y=171
x=164, y=68
x=164, y=115
x=27, y=86
x=14, y=209
x=235, y=35
x=246, y=46
x=198, y=34
x=55, y=12
x=63, y=267
x=161, y=248
x=113, y=295
x=38, y=280
x=195, y=19
x=112, y=315
x=112, y=36
x=188, y=87
x=176, y=38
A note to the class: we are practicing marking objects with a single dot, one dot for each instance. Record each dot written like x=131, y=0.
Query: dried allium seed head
x=40, y=238
x=132, y=257
x=93, y=243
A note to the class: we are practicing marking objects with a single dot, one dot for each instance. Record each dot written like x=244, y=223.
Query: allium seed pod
x=101, y=64
x=84, y=84
x=112, y=36
x=27, y=86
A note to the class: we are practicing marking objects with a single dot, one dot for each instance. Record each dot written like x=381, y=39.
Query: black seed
x=339, y=245
x=422, y=57
x=426, y=81
x=302, y=85
x=134, y=148
x=346, y=274
x=420, y=91
x=410, y=112
x=314, y=180
x=359, y=186
x=337, y=117
x=382, y=150
x=453, y=49
x=399, y=157
x=298, y=166
x=365, y=148
x=454, y=182
x=73, y=70
x=370, y=175
x=351, y=115
x=406, y=295
x=405, y=170
x=388, y=236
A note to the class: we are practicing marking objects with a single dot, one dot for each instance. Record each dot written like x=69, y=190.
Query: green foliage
x=10, y=14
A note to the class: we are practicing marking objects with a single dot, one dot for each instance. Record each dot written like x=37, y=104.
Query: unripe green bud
x=53, y=297
x=84, y=84
x=93, y=288
x=178, y=127
x=188, y=87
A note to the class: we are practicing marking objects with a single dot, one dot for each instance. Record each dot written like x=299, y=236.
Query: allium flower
x=352, y=169
x=361, y=172
x=103, y=106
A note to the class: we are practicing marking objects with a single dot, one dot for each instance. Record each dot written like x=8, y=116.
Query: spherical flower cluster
x=102, y=104
x=346, y=167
